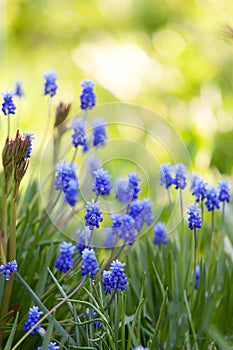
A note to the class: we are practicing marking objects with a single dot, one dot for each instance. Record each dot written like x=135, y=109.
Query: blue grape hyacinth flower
x=180, y=180
x=93, y=216
x=198, y=187
x=124, y=191
x=18, y=89
x=7, y=269
x=99, y=132
x=32, y=137
x=212, y=199
x=160, y=234
x=123, y=227
x=66, y=180
x=51, y=346
x=142, y=213
x=224, y=191
x=33, y=317
x=79, y=136
x=198, y=272
x=50, y=86
x=87, y=97
x=65, y=261
x=134, y=182
x=165, y=175
x=83, y=240
x=102, y=184
x=115, y=278
x=140, y=347
x=89, y=263
x=194, y=219
x=8, y=106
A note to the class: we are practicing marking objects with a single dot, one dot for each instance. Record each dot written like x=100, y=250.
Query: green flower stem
x=8, y=125
x=223, y=218
x=169, y=201
x=195, y=255
x=181, y=211
x=202, y=210
x=212, y=225
x=12, y=256
x=3, y=229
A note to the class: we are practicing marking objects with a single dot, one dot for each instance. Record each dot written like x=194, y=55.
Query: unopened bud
x=62, y=112
x=7, y=158
x=20, y=149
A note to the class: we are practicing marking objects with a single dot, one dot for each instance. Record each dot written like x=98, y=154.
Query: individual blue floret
x=33, y=318
x=198, y=187
x=18, y=89
x=180, y=180
x=160, y=234
x=212, y=200
x=102, y=184
x=89, y=263
x=194, y=219
x=51, y=346
x=87, y=97
x=134, y=182
x=8, y=106
x=165, y=175
x=93, y=216
x=79, y=137
x=32, y=137
x=50, y=86
x=7, y=269
x=224, y=191
x=99, y=133
x=65, y=261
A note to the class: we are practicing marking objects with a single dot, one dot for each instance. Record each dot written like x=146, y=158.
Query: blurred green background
x=171, y=56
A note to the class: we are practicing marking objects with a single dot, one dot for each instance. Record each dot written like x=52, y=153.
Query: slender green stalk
x=223, y=218
x=202, y=210
x=212, y=224
x=3, y=229
x=195, y=255
x=12, y=256
x=181, y=210
x=169, y=201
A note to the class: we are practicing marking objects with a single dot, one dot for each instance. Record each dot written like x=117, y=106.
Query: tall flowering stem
x=194, y=222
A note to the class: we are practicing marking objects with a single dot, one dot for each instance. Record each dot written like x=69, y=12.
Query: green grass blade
x=12, y=334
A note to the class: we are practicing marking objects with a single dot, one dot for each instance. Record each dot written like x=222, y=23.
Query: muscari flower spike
x=83, y=239
x=89, y=263
x=198, y=272
x=87, y=97
x=212, y=200
x=165, y=175
x=93, y=216
x=194, y=219
x=79, y=136
x=160, y=234
x=18, y=89
x=50, y=86
x=142, y=213
x=180, y=176
x=224, y=191
x=99, y=133
x=134, y=182
x=124, y=191
x=7, y=269
x=123, y=226
x=32, y=137
x=66, y=180
x=8, y=106
x=115, y=278
x=91, y=315
x=33, y=318
x=102, y=184
x=65, y=261
x=51, y=346
x=198, y=187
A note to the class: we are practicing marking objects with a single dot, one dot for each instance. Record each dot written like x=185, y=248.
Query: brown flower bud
x=7, y=158
x=19, y=150
x=62, y=112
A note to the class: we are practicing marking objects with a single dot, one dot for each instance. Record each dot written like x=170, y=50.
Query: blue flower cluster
x=142, y=213
x=180, y=176
x=50, y=86
x=198, y=187
x=93, y=216
x=83, y=239
x=79, y=137
x=212, y=199
x=99, y=133
x=134, y=182
x=51, y=346
x=87, y=97
x=102, y=184
x=8, y=106
x=194, y=219
x=65, y=261
x=123, y=226
x=32, y=137
x=166, y=176
x=89, y=263
x=33, y=318
x=7, y=269
x=224, y=191
x=18, y=89
x=127, y=189
x=198, y=272
x=67, y=181
x=93, y=314
x=160, y=234
x=115, y=278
